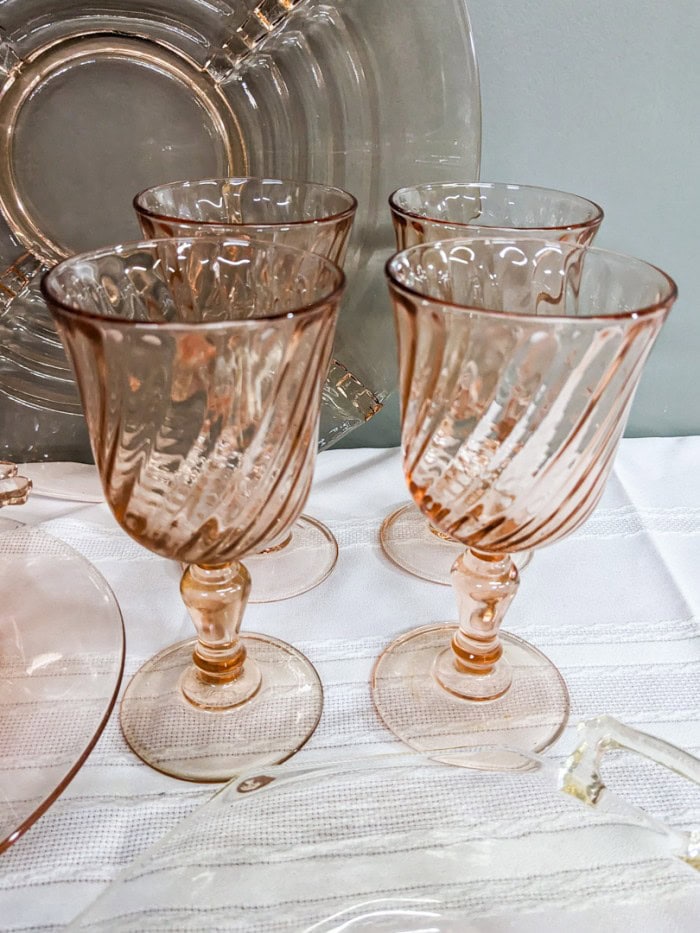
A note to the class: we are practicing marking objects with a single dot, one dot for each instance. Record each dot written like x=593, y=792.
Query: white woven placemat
x=616, y=607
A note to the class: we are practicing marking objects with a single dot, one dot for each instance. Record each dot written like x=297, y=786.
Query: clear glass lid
x=408, y=843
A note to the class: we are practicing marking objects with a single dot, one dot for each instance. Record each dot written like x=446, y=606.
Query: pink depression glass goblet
x=519, y=359
x=312, y=217
x=429, y=212
x=200, y=364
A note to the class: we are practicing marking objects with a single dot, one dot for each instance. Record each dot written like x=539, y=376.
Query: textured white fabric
x=616, y=607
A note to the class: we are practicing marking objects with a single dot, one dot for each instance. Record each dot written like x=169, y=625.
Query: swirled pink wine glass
x=200, y=364
x=436, y=211
x=318, y=219
x=519, y=359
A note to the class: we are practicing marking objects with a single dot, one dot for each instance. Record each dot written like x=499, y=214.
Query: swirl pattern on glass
x=519, y=360
x=200, y=365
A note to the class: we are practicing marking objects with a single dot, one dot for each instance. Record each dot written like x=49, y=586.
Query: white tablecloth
x=616, y=607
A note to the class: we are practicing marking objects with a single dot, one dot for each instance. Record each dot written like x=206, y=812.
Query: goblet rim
x=72, y=309
x=345, y=214
x=658, y=307
x=591, y=223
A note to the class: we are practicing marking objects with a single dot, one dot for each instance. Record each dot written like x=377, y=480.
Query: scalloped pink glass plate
x=61, y=663
x=102, y=98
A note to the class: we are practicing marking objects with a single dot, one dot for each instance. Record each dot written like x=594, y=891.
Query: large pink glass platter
x=101, y=99
x=61, y=663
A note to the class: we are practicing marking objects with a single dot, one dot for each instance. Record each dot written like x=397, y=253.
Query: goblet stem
x=474, y=667
x=220, y=677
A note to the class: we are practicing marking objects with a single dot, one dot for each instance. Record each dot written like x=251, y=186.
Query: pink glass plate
x=102, y=98
x=61, y=663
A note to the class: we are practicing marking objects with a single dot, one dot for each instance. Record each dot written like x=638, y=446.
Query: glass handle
x=347, y=403
x=9, y=59
x=348, y=387
x=582, y=778
x=264, y=19
x=14, y=489
x=15, y=278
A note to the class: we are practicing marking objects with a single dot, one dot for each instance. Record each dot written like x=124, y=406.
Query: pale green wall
x=602, y=97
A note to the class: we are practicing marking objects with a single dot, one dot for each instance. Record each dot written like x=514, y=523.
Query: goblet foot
x=186, y=741
x=299, y=565
x=408, y=539
x=407, y=693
